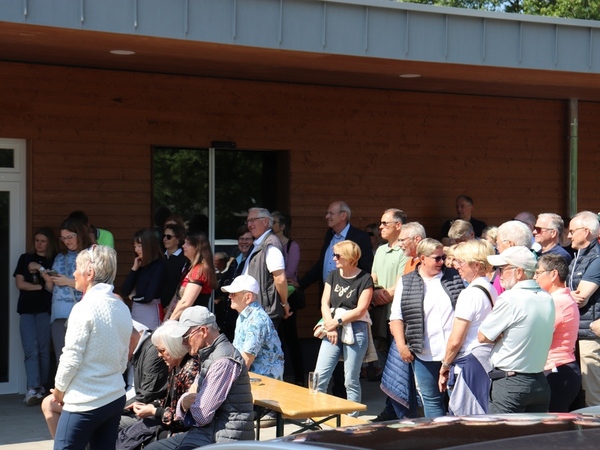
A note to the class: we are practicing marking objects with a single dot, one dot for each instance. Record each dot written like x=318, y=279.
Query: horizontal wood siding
x=90, y=133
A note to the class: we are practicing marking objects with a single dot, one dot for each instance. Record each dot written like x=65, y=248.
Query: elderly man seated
x=218, y=407
x=255, y=335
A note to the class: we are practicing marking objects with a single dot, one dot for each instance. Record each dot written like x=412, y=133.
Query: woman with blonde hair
x=420, y=321
x=472, y=306
x=344, y=307
x=200, y=280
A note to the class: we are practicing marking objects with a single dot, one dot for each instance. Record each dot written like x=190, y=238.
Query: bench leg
x=279, y=429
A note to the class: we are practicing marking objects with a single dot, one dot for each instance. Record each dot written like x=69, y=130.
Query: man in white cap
x=220, y=396
x=520, y=326
x=255, y=335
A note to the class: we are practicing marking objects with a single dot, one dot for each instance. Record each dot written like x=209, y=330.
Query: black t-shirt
x=345, y=292
x=32, y=302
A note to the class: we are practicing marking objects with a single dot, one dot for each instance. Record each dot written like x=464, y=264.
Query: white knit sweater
x=95, y=353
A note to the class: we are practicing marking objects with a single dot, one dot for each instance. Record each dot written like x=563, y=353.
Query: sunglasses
x=168, y=237
x=337, y=255
x=438, y=258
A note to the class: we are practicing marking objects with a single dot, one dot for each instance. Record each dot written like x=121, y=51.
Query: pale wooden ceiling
x=68, y=47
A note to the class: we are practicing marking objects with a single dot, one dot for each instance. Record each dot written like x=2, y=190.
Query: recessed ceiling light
x=122, y=52
x=410, y=75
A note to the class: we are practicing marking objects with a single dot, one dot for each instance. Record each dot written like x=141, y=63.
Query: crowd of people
x=485, y=320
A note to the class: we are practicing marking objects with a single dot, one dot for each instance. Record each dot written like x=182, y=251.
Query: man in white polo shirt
x=521, y=326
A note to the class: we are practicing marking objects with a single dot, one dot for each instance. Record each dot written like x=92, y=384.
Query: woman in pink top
x=562, y=370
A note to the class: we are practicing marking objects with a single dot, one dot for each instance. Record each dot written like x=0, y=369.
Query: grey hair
x=102, y=259
x=212, y=327
x=459, y=229
x=589, y=220
x=263, y=213
x=414, y=229
x=516, y=232
x=398, y=214
x=556, y=222
x=343, y=206
x=174, y=345
x=552, y=261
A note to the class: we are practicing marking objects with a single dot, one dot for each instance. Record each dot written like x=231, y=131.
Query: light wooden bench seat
x=346, y=421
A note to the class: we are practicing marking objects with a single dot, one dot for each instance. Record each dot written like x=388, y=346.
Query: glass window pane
x=243, y=179
x=7, y=158
x=181, y=182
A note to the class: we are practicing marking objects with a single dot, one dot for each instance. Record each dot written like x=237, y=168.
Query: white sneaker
x=31, y=398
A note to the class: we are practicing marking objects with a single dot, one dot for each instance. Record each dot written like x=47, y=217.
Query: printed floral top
x=180, y=380
x=255, y=334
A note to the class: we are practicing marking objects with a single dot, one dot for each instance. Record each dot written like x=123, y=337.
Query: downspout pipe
x=573, y=155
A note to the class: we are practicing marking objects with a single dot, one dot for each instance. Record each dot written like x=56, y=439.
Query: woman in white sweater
x=88, y=382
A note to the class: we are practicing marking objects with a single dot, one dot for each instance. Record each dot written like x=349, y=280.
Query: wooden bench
x=296, y=404
x=346, y=421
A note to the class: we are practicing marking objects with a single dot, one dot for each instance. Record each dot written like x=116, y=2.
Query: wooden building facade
x=89, y=133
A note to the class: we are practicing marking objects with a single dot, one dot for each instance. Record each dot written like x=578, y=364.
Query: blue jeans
x=35, y=339
x=427, y=374
x=353, y=356
x=98, y=427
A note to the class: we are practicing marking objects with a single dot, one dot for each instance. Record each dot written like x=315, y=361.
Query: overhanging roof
x=360, y=43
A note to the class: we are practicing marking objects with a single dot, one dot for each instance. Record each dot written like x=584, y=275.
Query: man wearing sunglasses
x=547, y=232
x=218, y=406
x=520, y=326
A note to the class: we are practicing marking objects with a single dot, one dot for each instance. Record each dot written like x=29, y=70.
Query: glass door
x=12, y=244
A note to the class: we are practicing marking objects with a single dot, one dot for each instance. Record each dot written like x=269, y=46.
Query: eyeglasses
x=459, y=263
x=540, y=229
x=69, y=237
x=331, y=213
x=243, y=239
x=505, y=268
x=249, y=221
x=405, y=239
x=571, y=232
x=168, y=237
x=336, y=256
x=437, y=258
x=385, y=224
x=537, y=273
x=189, y=334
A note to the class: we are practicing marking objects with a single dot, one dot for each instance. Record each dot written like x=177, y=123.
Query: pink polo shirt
x=566, y=325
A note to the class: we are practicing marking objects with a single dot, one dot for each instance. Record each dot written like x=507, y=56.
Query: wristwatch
x=340, y=323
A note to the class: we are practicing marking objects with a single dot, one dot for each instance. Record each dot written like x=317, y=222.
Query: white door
x=12, y=244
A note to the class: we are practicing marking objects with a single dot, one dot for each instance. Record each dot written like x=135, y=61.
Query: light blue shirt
x=64, y=297
x=255, y=334
x=328, y=262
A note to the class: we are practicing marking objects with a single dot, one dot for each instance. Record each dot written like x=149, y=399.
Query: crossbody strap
x=487, y=293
